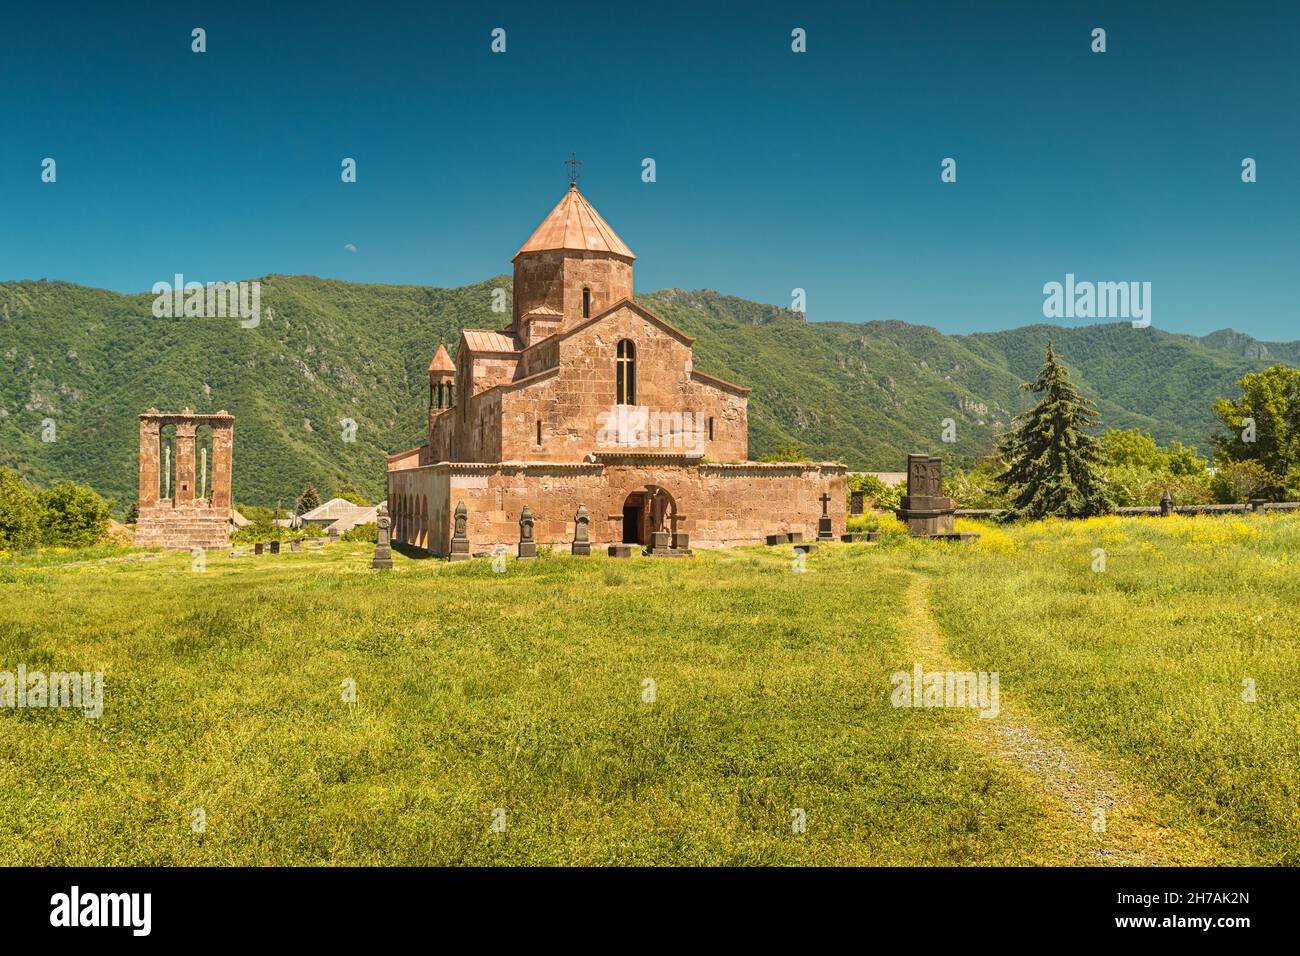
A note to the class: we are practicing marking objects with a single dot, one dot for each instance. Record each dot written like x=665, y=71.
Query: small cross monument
x=824, y=530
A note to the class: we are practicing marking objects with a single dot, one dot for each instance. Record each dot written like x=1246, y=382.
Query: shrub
x=1236, y=482
x=73, y=516
x=20, y=514
x=362, y=532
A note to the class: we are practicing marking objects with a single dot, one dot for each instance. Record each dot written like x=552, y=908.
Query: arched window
x=625, y=373
x=586, y=303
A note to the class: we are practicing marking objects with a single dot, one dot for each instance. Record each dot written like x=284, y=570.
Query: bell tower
x=572, y=268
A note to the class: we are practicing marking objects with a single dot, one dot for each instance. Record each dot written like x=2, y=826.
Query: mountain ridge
x=329, y=351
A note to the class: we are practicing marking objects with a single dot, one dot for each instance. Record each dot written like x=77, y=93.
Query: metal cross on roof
x=574, y=164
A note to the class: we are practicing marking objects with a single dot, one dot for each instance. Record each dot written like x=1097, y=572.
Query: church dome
x=575, y=225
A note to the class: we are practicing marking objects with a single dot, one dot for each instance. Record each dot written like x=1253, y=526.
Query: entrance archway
x=648, y=511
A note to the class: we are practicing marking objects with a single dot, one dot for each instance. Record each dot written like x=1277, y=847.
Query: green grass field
x=1123, y=736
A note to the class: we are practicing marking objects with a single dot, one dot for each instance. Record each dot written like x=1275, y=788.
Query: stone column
x=223, y=440
x=184, y=494
x=149, y=450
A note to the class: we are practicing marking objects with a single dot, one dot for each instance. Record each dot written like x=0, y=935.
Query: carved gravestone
x=258, y=548
x=1166, y=504
x=857, y=502
x=459, y=538
x=527, y=546
x=295, y=545
x=275, y=547
x=383, y=558
x=581, y=543
x=824, y=530
x=924, y=509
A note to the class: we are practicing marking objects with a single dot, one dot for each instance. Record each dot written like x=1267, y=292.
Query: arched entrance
x=648, y=511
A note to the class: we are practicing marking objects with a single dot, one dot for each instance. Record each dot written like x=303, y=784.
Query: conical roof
x=441, y=360
x=575, y=224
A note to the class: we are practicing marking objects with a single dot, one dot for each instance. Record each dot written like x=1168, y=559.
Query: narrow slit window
x=710, y=428
x=539, y=432
x=586, y=303
x=625, y=373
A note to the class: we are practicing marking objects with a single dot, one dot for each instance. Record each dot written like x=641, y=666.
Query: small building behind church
x=589, y=398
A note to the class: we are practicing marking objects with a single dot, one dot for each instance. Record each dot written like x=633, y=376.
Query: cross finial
x=574, y=164
x=825, y=499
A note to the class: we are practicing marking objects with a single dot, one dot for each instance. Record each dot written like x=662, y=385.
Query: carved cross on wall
x=825, y=499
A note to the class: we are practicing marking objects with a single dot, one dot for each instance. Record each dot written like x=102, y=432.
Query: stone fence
x=1259, y=506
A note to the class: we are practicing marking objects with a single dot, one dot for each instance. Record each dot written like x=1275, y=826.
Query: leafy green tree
x=308, y=500
x=132, y=513
x=73, y=515
x=350, y=493
x=1184, y=462
x=1236, y=482
x=1133, y=447
x=1263, y=424
x=20, y=514
x=1054, y=466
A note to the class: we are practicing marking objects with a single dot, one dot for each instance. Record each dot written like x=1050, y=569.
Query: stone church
x=588, y=398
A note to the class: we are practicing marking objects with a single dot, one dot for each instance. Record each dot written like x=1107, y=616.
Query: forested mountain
x=325, y=351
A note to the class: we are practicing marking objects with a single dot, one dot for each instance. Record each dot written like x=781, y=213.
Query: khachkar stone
x=824, y=530
x=581, y=544
x=527, y=546
x=857, y=502
x=459, y=539
x=383, y=550
x=183, y=516
x=924, y=509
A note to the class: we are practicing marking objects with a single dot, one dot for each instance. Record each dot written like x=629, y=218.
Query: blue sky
x=775, y=170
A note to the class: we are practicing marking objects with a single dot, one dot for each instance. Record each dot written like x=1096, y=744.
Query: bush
x=73, y=516
x=20, y=514
x=362, y=532
x=1236, y=482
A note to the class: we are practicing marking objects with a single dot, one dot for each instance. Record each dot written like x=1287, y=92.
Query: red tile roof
x=575, y=224
x=484, y=340
x=441, y=360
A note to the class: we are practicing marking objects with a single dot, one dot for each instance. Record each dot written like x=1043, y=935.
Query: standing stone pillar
x=581, y=543
x=185, y=463
x=527, y=546
x=459, y=539
x=1166, y=504
x=149, y=449
x=223, y=440
x=383, y=551
x=203, y=473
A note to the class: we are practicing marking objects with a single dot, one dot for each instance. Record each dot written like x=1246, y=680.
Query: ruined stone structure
x=181, y=516
x=587, y=397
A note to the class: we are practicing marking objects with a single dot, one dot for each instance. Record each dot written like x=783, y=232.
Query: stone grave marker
x=527, y=546
x=459, y=539
x=581, y=544
x=383, y=559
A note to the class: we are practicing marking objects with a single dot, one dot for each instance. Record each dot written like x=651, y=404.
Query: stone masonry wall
x=718, y=505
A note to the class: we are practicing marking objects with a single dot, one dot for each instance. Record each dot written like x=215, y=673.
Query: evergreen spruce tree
x=308, y=500
x=1053, y=465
